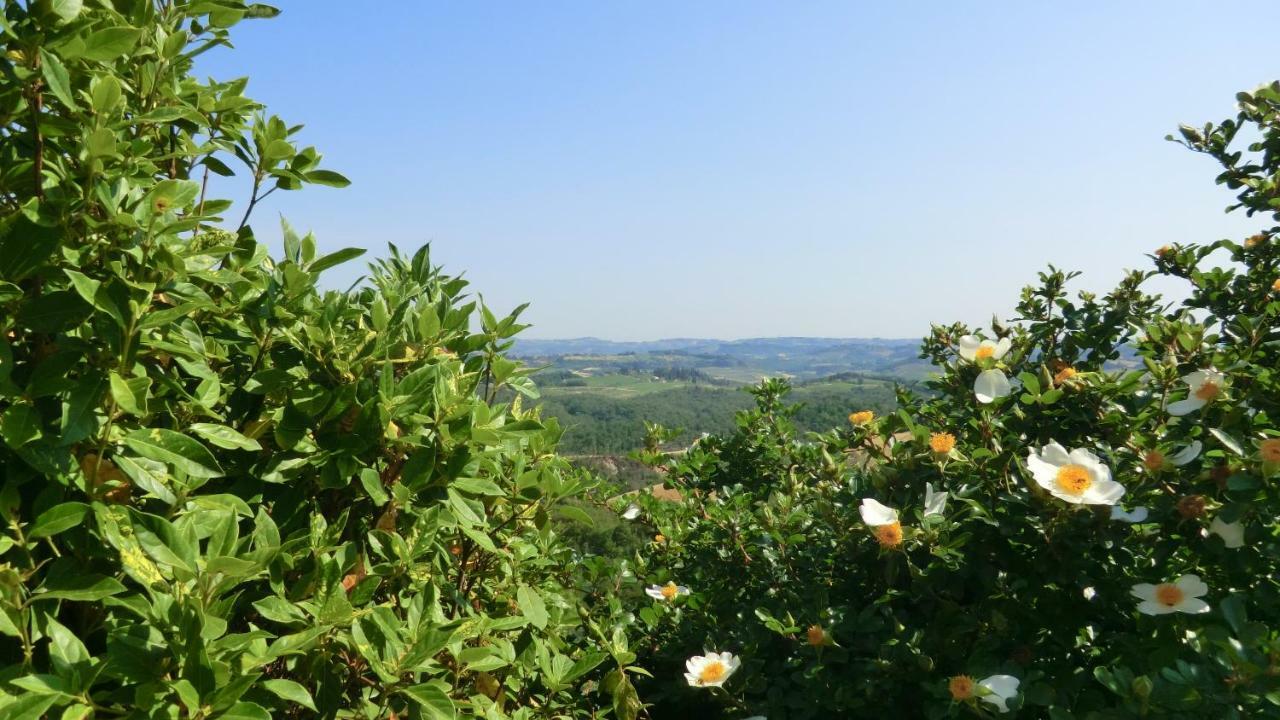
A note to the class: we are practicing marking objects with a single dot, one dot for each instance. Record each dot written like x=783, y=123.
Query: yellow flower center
x=889, y=536
x=862, y=417
x=713, y=671
x=816, y=635
x=1153, y=460
x=1270, y=449
x=1169, y=595
x=942, y=443
x=659, y=538
x=1208, y=391
x=1073, y=479
x=983, y=352
x=670, y=590
x=961, y=687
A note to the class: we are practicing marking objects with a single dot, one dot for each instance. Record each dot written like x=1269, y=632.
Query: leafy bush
x=229, y=494
x=953, y=559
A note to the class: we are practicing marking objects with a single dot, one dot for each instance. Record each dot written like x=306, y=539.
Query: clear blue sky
x=737, y=168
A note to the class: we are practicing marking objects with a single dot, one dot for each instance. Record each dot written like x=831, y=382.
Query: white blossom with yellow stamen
x=670, y=591
x=975, y=349
x=1204, y=385
x=1077, y=477
x=710, y=670
x=1181, y=595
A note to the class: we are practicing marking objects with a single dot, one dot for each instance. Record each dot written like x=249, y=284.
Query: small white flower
x=991, y=385
x=1078, y=477
x=710, y=670
x=1181, y=595
x=934, y=503
x=1000, y=690
x=631, y=513
x=1090, y=593
x=670, y=591
x=1186, y=454
x=1137, y=515
x=1204, y=386
x=973, y=348
x=875, y=514
x=1232, y=534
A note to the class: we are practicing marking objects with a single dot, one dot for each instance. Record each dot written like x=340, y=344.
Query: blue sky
x=738, y=168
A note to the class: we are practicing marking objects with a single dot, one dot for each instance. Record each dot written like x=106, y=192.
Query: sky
x=741, y=168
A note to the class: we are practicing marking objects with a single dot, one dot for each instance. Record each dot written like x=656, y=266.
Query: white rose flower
x=1077, y=477
x=1000, y=690
x=1204, y=385
x=1181, y=595
x=710, y=670
x=974, y=349
x=991, y=385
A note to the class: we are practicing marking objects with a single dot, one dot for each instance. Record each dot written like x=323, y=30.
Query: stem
x=37, y=109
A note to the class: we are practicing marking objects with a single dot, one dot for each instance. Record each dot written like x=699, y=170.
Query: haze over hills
x=742, y=360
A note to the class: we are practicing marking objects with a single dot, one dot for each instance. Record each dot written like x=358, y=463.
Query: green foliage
x=601, y=422
x=226, y=493
x=838, y=611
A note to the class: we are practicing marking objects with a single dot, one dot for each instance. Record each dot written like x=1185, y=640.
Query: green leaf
x=29, y=706
x=245, y=711
x=575, y=513
x=19, y=425
x=54, y=312
x=105, y=93
x=477, y=486
x=531, y=606
x=58, y=518
x=56, y=77
x=1227, y=441
x=110, y=43
x=224, y=437
x=291, y=691
x=149, y=475
x=66, y=10
x=432, y=699
x=125, y=393
x=82, y=588
x=173, y=448
x=79, y=412
x=334, y=258
x=327, y=177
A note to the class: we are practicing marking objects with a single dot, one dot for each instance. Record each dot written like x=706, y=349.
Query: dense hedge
x=1049, y=534
x=228, y=494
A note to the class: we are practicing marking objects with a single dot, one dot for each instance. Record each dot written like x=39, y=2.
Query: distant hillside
x=736, y=360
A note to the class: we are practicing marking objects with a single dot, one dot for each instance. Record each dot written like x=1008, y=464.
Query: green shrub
x=227, y=493
x=848, y=585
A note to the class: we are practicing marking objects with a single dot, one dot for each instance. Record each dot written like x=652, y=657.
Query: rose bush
x=1079, y=520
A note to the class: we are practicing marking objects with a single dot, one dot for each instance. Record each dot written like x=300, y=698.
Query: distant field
x=619, y=386
x=605, y=415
